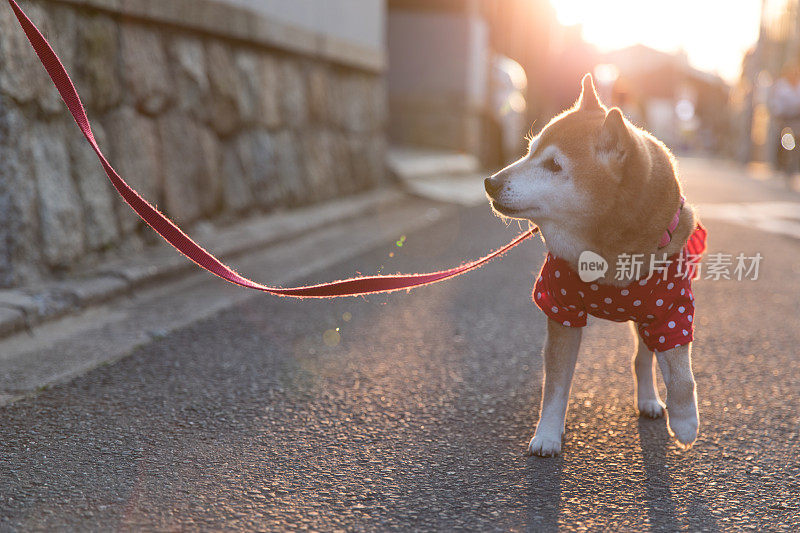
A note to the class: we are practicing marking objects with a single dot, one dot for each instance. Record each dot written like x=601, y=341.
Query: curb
x=26, y=307
x=408, y=163
x=438, y=175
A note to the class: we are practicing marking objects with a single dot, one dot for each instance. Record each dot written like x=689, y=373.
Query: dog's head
x=574, y=165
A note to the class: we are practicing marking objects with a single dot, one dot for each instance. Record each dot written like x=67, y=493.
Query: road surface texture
x=412, y=411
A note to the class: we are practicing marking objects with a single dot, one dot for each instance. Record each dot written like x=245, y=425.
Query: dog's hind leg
x=560, y=355
x=644, y=378
x=682, y=416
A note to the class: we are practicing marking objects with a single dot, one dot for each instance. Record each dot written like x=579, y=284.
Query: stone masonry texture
x=205, y=126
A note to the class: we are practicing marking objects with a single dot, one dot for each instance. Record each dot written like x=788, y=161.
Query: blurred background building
x=681, y=105
x=474, y=75
x=767, y=133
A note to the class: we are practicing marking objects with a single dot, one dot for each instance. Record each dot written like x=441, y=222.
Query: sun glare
x=714, y=34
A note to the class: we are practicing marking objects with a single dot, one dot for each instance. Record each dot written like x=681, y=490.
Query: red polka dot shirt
x=662, y=306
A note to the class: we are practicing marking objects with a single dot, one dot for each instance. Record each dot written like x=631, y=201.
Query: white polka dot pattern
x=662, y=306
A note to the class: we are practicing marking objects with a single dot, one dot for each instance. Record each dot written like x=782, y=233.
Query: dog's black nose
x=492, y=185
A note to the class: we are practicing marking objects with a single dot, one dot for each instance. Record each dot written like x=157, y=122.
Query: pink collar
x=667, y=237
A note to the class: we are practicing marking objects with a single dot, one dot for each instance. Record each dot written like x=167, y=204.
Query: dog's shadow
x=662, y=482
x=671, y=494
x=544, y=492
x=656, y=442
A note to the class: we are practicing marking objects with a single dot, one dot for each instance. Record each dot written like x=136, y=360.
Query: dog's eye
x=551, y=165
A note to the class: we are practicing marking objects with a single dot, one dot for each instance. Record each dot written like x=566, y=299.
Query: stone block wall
x=205, y=124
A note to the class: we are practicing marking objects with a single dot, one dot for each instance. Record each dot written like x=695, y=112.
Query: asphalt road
x=416, y=412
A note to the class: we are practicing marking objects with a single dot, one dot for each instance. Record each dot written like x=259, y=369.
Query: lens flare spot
x=347, y=316
x=331, y=337
x=685, y=110
x=402, y=241
x=787, y=139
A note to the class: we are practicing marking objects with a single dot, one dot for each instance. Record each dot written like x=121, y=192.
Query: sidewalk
x=27, y=307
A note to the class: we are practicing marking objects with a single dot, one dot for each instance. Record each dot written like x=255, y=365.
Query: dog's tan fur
x=593, y=181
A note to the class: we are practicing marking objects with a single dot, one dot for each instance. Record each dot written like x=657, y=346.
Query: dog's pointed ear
x=588, y=100
x=615, y=137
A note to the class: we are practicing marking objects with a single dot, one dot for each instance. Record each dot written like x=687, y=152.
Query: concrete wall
x=357, y=22
x=211, y=112
x=438, y=78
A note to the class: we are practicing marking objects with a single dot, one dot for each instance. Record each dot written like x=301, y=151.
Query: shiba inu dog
x=594, y=183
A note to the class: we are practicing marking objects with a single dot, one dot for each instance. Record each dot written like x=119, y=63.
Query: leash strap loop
x=188, y=247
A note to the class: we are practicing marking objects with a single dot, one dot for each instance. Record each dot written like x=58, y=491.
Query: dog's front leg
x=560, y=355
x=676, y=369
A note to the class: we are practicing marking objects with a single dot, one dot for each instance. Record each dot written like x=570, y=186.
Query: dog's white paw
x=684, y=428
x=543, y=446
x=651, y=408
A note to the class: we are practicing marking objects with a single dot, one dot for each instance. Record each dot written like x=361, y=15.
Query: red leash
x=185, y=245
